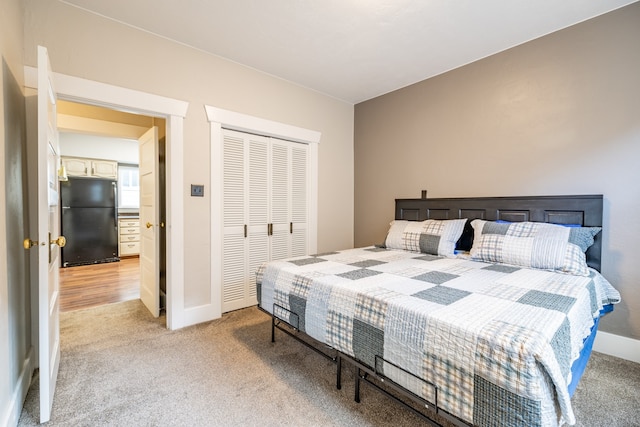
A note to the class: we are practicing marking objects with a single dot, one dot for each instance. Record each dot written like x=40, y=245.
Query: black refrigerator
x=89, y=221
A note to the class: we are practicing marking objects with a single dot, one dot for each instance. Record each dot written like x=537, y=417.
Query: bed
x=480, y=310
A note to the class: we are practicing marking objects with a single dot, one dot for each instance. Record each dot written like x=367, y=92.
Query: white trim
x=618, y=346
x=245, y=123
x=12, y=415
x=175, y=223
x=102, y=94
x=313, y=199
x=106, y=95
x=221, y=118
x=216, y=218
x=202, y=313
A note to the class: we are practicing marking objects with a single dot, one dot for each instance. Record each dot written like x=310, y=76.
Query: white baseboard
x=199, y=314
x=615, y=345
x=20, y=392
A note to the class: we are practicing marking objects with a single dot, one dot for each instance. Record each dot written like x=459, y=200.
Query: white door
x=149, y=222
x=235, y=230
x=256, y=214
x=279, y=200
x=245, y=186
x=299, y=199
x=264, y=210
x=48, y=238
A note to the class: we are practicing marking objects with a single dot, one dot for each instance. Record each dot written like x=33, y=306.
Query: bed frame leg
x=273, y=328
x=357, y=394
x=339, y=372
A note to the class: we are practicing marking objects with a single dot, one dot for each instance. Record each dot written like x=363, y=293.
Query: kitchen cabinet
x=129, y=236
x=93, y=168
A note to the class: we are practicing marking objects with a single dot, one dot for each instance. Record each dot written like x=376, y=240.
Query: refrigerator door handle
x=115, y=204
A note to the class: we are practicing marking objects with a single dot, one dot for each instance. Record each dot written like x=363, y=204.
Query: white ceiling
x=353, y=50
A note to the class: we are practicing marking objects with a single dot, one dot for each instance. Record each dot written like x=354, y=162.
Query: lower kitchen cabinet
x=129, y=237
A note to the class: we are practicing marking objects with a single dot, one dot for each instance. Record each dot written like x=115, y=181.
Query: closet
x=265, y=209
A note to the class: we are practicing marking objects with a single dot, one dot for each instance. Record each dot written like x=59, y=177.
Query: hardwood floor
x=97, y=284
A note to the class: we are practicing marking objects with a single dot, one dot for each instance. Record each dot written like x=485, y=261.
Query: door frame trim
x=174, y=111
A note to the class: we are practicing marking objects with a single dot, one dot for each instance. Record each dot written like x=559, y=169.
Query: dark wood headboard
x=584, y=210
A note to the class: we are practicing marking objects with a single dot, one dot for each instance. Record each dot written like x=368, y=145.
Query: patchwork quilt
x=496, y=340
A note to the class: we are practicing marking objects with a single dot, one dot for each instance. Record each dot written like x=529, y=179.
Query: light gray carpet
x=121, y=367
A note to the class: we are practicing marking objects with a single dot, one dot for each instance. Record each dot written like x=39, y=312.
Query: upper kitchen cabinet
x=104, y=169
x=76, y=166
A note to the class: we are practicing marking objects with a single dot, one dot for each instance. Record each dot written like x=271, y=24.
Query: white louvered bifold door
x=280, y=205
x=299, y=199
x=258, y=211
x=234, y=269
x=265, y=210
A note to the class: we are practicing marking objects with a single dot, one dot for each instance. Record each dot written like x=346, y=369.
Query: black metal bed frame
x=584, y=210
x=369, y=375
x=275, y=324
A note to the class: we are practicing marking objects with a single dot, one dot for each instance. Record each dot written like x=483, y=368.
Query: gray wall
x=16, y=351
x=557, y=115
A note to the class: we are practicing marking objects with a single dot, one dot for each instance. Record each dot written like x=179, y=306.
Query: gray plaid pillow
x=533, y=245
x=434, y=237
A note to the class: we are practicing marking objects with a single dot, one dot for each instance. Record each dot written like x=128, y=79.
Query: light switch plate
x=197, y=190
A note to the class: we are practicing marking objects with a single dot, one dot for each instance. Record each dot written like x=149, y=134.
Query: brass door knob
x=60, y=241
x=28, y=243
x=149, y=225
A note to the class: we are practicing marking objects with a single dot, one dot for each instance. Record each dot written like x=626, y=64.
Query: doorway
x=110, y=137
x=173, y=111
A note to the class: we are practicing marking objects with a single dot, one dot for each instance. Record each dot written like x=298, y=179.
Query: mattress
x=496, y=341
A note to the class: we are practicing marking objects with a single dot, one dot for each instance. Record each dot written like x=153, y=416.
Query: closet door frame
x=220, y=118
